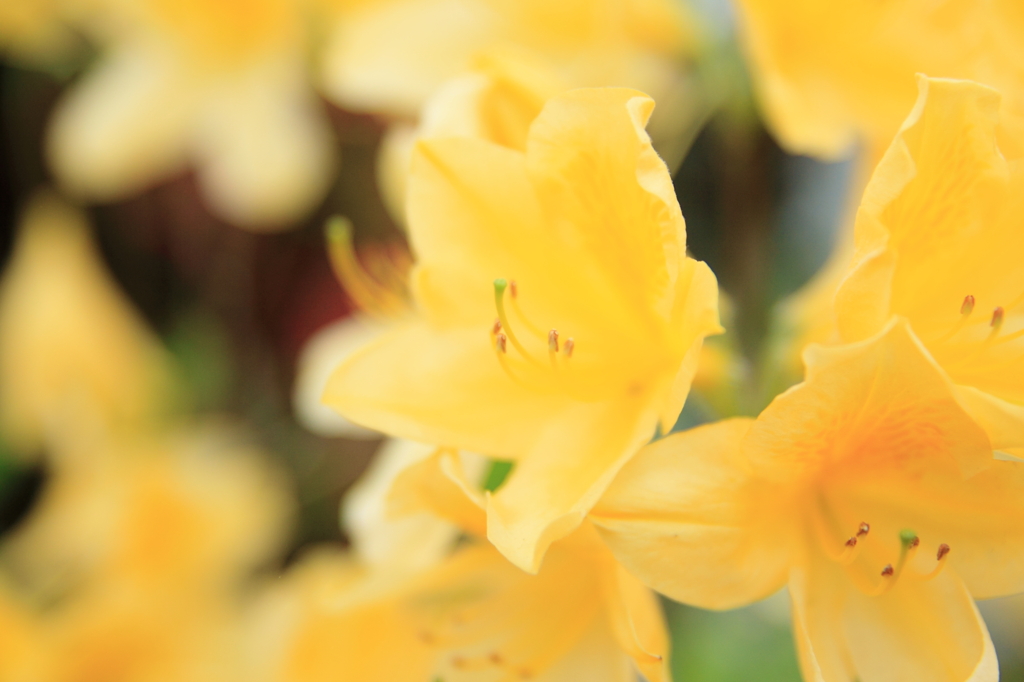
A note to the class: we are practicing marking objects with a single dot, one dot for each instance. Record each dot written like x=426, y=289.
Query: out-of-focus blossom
x=131, y=562
x=578, y=248
x=939, y=242
x=391, y=56
x=831, y=74
x=470, y=616
x=37, y=32
x=857, y=487
x=220, y=85
x=73, y=353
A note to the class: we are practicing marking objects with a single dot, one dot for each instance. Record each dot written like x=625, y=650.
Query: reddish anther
x=513, y=289
x=968, y=306
x=943, y=551
x=887, y=571
x=502, y=342
x=553, y=340
x=570, y=345
x=852, y=542
x=997, y=317
x=864, y=529
x=497, y=327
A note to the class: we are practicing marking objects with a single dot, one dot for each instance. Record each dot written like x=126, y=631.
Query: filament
x=370, y=295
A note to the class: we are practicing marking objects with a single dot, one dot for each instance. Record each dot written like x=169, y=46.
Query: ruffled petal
x=685, y=516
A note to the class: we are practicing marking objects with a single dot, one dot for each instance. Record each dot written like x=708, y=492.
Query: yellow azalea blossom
x=577, y=248
x=72, y=351
x=391, y=56
x=834, y=73
x=221, y=85
x=868, y=489
x=939, y=242
x=190, y=511
x=470, y=617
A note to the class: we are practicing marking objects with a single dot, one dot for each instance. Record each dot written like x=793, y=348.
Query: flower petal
x=686, y=518
x=265, y=151
x=438, y=485
x=562, y=476
x=639, y=624
x=443, y=387
x=124, y=126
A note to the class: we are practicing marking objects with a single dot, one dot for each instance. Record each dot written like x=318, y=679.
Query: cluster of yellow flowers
x=530, y=367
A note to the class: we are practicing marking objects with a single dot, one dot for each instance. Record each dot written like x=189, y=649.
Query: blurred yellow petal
x=687, y=517
x=264, y=150
x=73, y=352
x=639, y=625
x=321, y=354
x=123, y=126
x=380, y=538
x=438, y=485
x=830, y=75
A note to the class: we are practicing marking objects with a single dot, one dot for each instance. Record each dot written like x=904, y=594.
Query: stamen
x=497, y=326
x=863, y=529
x=909, y=543
x=940, y=557
x=370, y=295
x=500, y=285
x=513, y=289
x=553, y=340
x=568, y=348
x=997, y=321
x=968, y=306
x=501, y=343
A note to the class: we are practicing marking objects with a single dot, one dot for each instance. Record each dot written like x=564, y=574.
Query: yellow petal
x=864, y=405
x=393, y=386
x=438, y=485
x=1002, y=421
x=379, y=538
x=686, y=517
x=320, y=356
x=639, y=624
x=939, y=243
x=265, y=154
x=916, y=631
x=123, y=126
x=73, y=352
x=547, y=497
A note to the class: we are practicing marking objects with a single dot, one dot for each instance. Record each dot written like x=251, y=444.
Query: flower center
x=849, y=553
x=524, y=364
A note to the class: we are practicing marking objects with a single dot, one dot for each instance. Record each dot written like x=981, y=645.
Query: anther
x=888, y=571
x=501, y=342
x=513, y=289
x=943, y=551
x=553, y=340
x=497, y=326
x=864, y=529
x=968, y=305
x=569, y=346
x=997, y=319
x=852, y=542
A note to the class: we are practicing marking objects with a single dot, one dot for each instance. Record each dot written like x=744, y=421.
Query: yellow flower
x=834, y=73
x=578, y=248
x=939, y=242
x=867, y=488
x=221, y=85
x=73, y=354
x=391, y=56
x=470, y=616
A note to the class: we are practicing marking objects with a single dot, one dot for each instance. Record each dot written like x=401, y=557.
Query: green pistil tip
x=499, y=285
x=339, y=229
x=907, y=538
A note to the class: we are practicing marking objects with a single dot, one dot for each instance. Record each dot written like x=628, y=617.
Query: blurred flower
x=221, y=85
x=132, y=560
x=857, y=487
x=939, y=242
x=468, y=616
x=73, y=353
x=834, y=74
x=587, y=224
x=37, y=32
x=391, y=56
